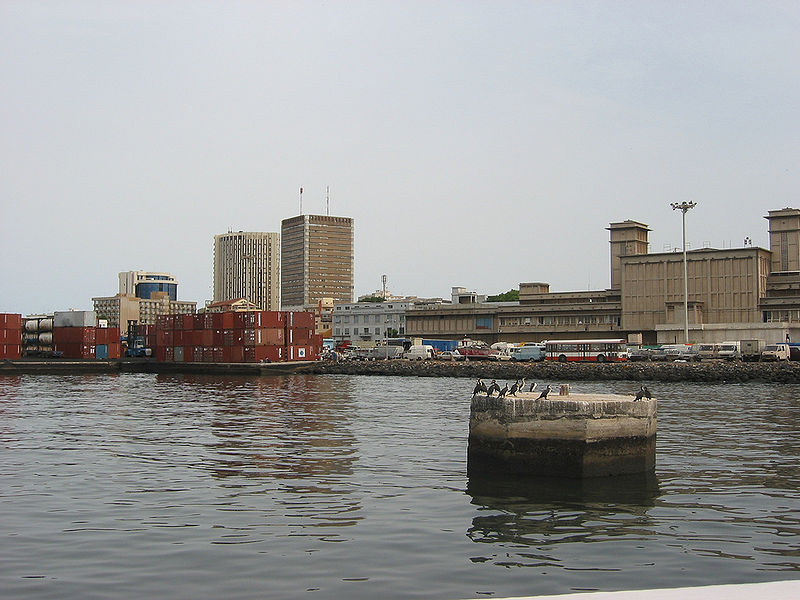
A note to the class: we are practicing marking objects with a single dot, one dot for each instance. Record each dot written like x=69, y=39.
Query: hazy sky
x=479, y=144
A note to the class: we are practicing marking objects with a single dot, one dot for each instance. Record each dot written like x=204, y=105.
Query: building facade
x=143, y=297
x=247, y=265
x=733, y=293
x=142, y=284
x=369, y=321
x=316, y=261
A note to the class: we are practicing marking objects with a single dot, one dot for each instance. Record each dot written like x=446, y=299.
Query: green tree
x=373, y=299
x=509, y=296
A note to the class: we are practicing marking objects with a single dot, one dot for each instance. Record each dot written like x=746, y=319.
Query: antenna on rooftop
x=327, y=201
x=384, y=279
x=301, y=201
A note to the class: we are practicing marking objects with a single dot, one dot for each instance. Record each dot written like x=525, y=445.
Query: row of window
x=366, y=318
x=345, y=331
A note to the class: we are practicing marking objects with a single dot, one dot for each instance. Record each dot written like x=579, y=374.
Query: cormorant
x=533, y=386
x=642, y=393
x=503, y=392
x=545, y=391
x=514, y=388
x=479, y=387
x=493, y=387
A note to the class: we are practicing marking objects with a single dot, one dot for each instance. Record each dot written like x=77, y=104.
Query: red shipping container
x=74, y=349
x=114, y=350
x=161, y=354
x=11, y=336
x=188, y=321
x=10, y=321
x=10, y=351
x=227, y=320
x=254, y=354
x=300, y=319
x=204, y=337
x=218, y=355
x=299, y=336
x=233, y=354
x=263, y=337
x=178, y=337
x=74, y=335
x=188, y=354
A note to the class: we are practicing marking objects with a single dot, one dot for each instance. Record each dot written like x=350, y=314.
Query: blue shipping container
x=101, y=351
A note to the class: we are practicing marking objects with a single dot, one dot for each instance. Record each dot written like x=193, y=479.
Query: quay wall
x=706, y=371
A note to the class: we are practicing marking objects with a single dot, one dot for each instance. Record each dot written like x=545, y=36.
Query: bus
x=587, y=350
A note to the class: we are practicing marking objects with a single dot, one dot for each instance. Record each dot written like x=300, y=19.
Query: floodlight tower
x=684, y=207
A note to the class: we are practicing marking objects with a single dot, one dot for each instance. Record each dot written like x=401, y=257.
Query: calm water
x=135, y=486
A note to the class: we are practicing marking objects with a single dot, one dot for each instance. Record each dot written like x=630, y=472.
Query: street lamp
x=683, y=207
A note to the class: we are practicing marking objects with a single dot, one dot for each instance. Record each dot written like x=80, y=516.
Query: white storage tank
x=46, y=338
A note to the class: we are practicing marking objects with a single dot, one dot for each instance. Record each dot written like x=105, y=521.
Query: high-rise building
x=316, y=260
x=247, y=265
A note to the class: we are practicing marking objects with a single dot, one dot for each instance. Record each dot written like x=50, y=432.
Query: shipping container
x=188, y=354
x=263, y=337
x=177, y=353
x=255, y=354
x=10, y=351
x=186, y=320
x=258, y=318
x=101, y=351
x=227, y=320
x=114, y=350
x=75, y=318
x=74, y=335
x=12, y=336
x=10, y=321
x=233, y=354
x=301, y=319
x=75, y=349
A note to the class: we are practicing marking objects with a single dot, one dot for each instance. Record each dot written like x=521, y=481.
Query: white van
x=420, y=352
x=779, y=351
x=729, y=350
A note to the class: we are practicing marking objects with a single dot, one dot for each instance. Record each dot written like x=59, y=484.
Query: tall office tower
x=246, y=265
x=316, y=260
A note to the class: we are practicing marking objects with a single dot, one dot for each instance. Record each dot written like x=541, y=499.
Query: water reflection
x=523, y=514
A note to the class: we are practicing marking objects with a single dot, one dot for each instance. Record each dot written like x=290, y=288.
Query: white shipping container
x=75, y=318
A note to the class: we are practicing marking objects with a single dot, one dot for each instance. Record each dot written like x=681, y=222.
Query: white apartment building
x=369, y=321
x=247, y=265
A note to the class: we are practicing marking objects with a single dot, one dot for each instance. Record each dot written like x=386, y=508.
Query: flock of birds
x=519, y=386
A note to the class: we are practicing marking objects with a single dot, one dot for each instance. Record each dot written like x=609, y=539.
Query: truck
x=750, y=349
x=729, y=350
x=779, y=351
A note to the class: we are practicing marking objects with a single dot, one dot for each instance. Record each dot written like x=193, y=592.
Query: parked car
x=639, y=354
x=528, y=353
x=448, y=355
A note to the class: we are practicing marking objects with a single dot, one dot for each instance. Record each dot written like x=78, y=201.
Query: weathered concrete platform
x=579, y=435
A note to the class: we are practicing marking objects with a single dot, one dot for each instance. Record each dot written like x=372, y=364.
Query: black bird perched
x=493, y=387
x=514, y=387
x=643, y=393
x=479, y=387
x=545, y=391
x=533, y=386
x=503, y=392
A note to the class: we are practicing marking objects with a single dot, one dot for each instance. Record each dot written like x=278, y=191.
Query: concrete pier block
x=580, y=435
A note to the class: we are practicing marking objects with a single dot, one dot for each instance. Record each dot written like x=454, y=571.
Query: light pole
x=683, y=207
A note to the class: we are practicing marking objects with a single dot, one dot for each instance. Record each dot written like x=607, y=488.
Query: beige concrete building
x=733, y=294
x=122, y=308
x=316, y=261
x=247, y=265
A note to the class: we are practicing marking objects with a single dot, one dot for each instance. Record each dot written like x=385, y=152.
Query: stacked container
x=74, y=333
x=234, y=337
x=107, y=344
x=10, y=336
